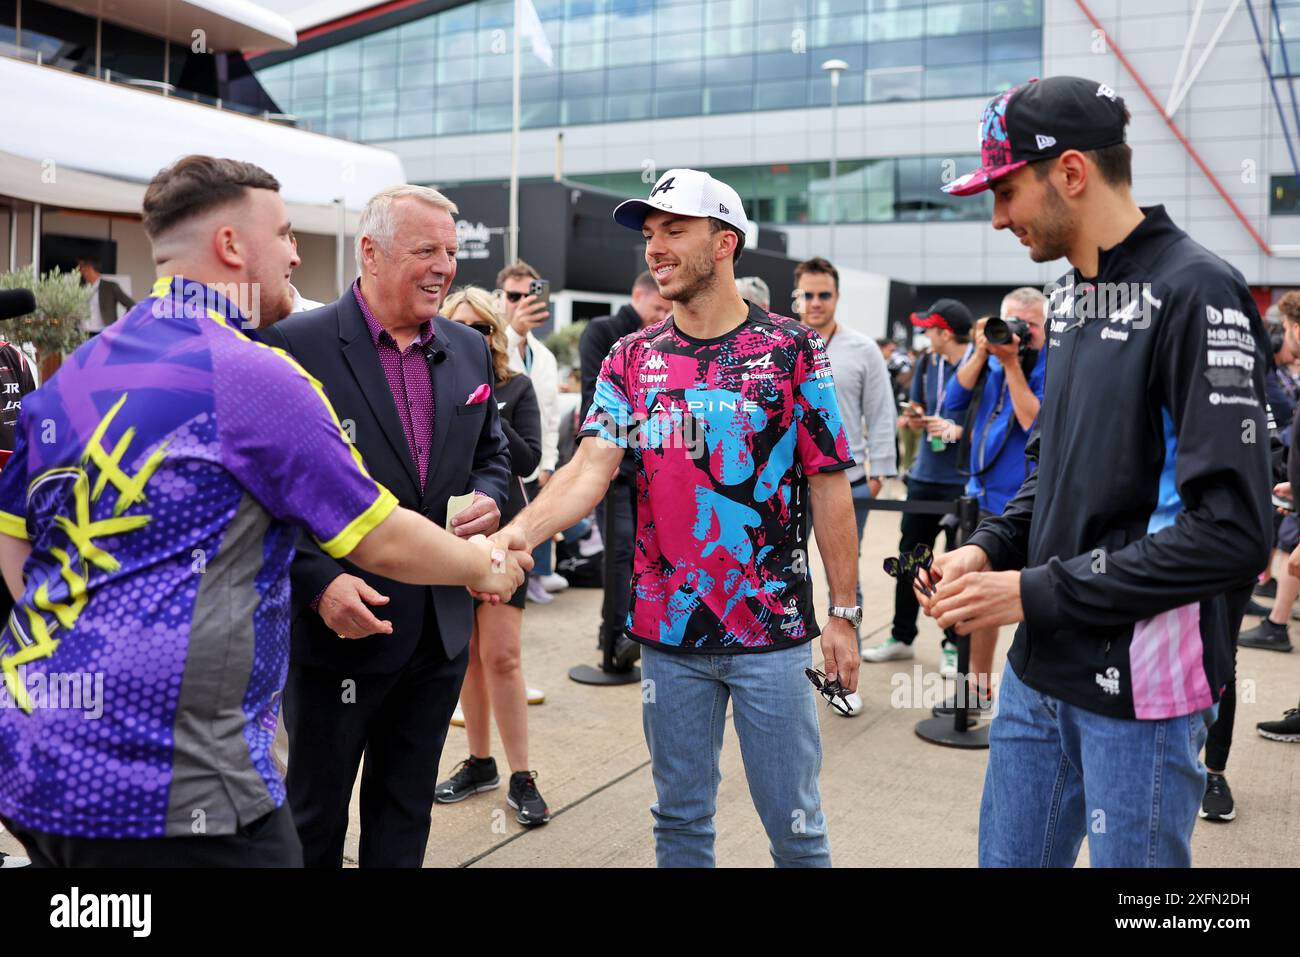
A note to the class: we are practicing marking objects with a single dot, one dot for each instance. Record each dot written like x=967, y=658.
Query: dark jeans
x=917, y=529
x=398, y=722
x=270, y=841
x=1219, y=743
x=620, y=543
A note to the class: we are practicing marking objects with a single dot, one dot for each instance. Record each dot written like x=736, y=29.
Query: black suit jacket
x=593, y=346
x=467, y=453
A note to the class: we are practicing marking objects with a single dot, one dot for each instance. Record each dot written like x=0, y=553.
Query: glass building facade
x=617, y=60
x=892, y=190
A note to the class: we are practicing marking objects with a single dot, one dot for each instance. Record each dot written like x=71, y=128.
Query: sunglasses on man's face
x=514, y=296
x=824, y=296
x=482, y=327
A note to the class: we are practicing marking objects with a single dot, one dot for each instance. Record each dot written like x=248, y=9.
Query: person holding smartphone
x=934, y=475
x=526, y=306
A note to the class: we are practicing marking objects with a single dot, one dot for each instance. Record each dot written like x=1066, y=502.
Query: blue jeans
x=1057, y=772
x=684, y=711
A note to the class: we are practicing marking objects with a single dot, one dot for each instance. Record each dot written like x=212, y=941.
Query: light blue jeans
x=684, y=711
x=1057, y=772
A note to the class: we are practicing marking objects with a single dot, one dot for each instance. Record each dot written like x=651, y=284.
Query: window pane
x=629, y=52
x=787, y=10
x=460, y=96
x=1284, y=196
x=736, y=69
x=952, y=51
x=729, y=41
x=900, y=53
x=378, y=127
x=679, y=103
x=729, y=99
x=493, y=91
x=586, y=56
x=492, y=118
x=540, y=114
x=687, y=73
x=787, y=65
x=583, y=84
x=1010, y=14
x=415, y=124
x=774, y=36
x=893, y=83
x=628, y=106
x=686, y=46
x=781, y=94
x=683, y=18
x=585, y=109
x=953, y=80
x=1015, y=44
x=728, y=13
x=583, y=30
x=455, y=121
x=417, y=75
x=630, y=78
x=948, y=18
x=340, y=58
x=1004, y=74
x=896, y=24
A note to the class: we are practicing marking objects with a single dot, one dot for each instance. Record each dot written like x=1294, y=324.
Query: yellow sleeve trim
x=342, y=544
x=13, y=526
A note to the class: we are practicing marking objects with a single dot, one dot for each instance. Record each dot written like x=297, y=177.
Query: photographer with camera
x=1000, y=388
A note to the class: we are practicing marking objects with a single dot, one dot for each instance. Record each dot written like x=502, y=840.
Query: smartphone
x=1285, y=504
x=541, y=288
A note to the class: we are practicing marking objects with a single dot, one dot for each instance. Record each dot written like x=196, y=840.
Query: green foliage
x=565, y=344
x=62, y=306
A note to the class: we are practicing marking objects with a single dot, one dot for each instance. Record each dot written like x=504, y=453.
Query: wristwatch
x=853, y=615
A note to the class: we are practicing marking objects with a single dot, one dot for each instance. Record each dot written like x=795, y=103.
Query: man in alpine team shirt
x=148, y=518
x=732, y=415
x=1149, y=506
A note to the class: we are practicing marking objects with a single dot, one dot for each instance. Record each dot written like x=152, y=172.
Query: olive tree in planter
x=62, y=307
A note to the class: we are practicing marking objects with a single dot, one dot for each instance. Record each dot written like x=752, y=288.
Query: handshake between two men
x=409, y=548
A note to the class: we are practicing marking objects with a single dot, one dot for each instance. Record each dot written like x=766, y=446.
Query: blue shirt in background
x=933, y=373
x=997, y=442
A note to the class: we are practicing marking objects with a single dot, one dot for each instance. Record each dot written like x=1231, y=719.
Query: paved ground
x=890, y=798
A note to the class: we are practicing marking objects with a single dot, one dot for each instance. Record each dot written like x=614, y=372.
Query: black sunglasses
x=514, y=296
x=824, y=296
x=909, y=566
x=482, y=327
x=830, y=690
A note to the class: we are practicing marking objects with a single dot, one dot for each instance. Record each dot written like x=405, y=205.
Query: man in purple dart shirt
x=376, y=665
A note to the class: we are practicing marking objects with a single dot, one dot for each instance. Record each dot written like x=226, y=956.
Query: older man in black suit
x=376, y=665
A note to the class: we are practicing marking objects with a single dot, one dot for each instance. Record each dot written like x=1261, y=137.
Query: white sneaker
x=537, y=593
x=593, y=544
x=854, y=702
x=536, y=696
x=458, y=717
x=948, y=666
x=891, y=649
x=12, y=861
x=554, y=582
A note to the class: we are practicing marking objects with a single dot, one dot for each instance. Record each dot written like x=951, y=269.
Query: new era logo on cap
x=1044, y=141
x=688, y=192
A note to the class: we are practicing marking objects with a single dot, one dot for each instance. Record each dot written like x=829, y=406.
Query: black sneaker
x=1217, y=803
x=1287, y=729
x=976, y=706
x=1256, y=609
x=471, y=776
x=1266, y=635
x=525, y=799
x=626, y=653
x=1268, y=589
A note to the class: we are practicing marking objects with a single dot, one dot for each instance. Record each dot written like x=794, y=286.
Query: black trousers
x=1219, y=741
x=399, y=723
x=915, y=530
x=620, y=544
x=270, y=841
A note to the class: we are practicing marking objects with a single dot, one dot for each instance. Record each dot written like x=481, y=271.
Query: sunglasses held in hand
x=832, y=691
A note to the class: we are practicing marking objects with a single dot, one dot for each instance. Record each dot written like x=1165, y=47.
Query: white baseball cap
x=689, y=192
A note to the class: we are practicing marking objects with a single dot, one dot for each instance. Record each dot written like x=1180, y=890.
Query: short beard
x=1055, y=228
x=701, y=275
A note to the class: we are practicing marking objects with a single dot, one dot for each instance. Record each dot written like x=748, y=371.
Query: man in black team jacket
x=1149, y=505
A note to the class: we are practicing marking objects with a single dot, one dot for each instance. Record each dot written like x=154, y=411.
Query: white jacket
x=545, y=376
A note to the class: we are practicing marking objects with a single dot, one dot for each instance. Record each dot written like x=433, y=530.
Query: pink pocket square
x=479, y=395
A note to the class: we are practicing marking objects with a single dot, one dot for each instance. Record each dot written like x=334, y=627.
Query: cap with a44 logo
x=688, y=192
x=1039, y=120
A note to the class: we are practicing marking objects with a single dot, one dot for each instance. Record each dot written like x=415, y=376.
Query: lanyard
x=528, y=358
x=939, y=393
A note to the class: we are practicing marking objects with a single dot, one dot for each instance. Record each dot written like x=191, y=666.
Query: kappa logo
x=1107, y=92
x=656, y=362
x=1044, y=141
x=1109, y=682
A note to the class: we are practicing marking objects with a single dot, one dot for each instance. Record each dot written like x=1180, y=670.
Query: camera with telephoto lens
x=999, y=331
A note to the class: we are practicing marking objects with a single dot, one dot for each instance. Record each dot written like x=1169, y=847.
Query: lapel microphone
x=434, y=354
